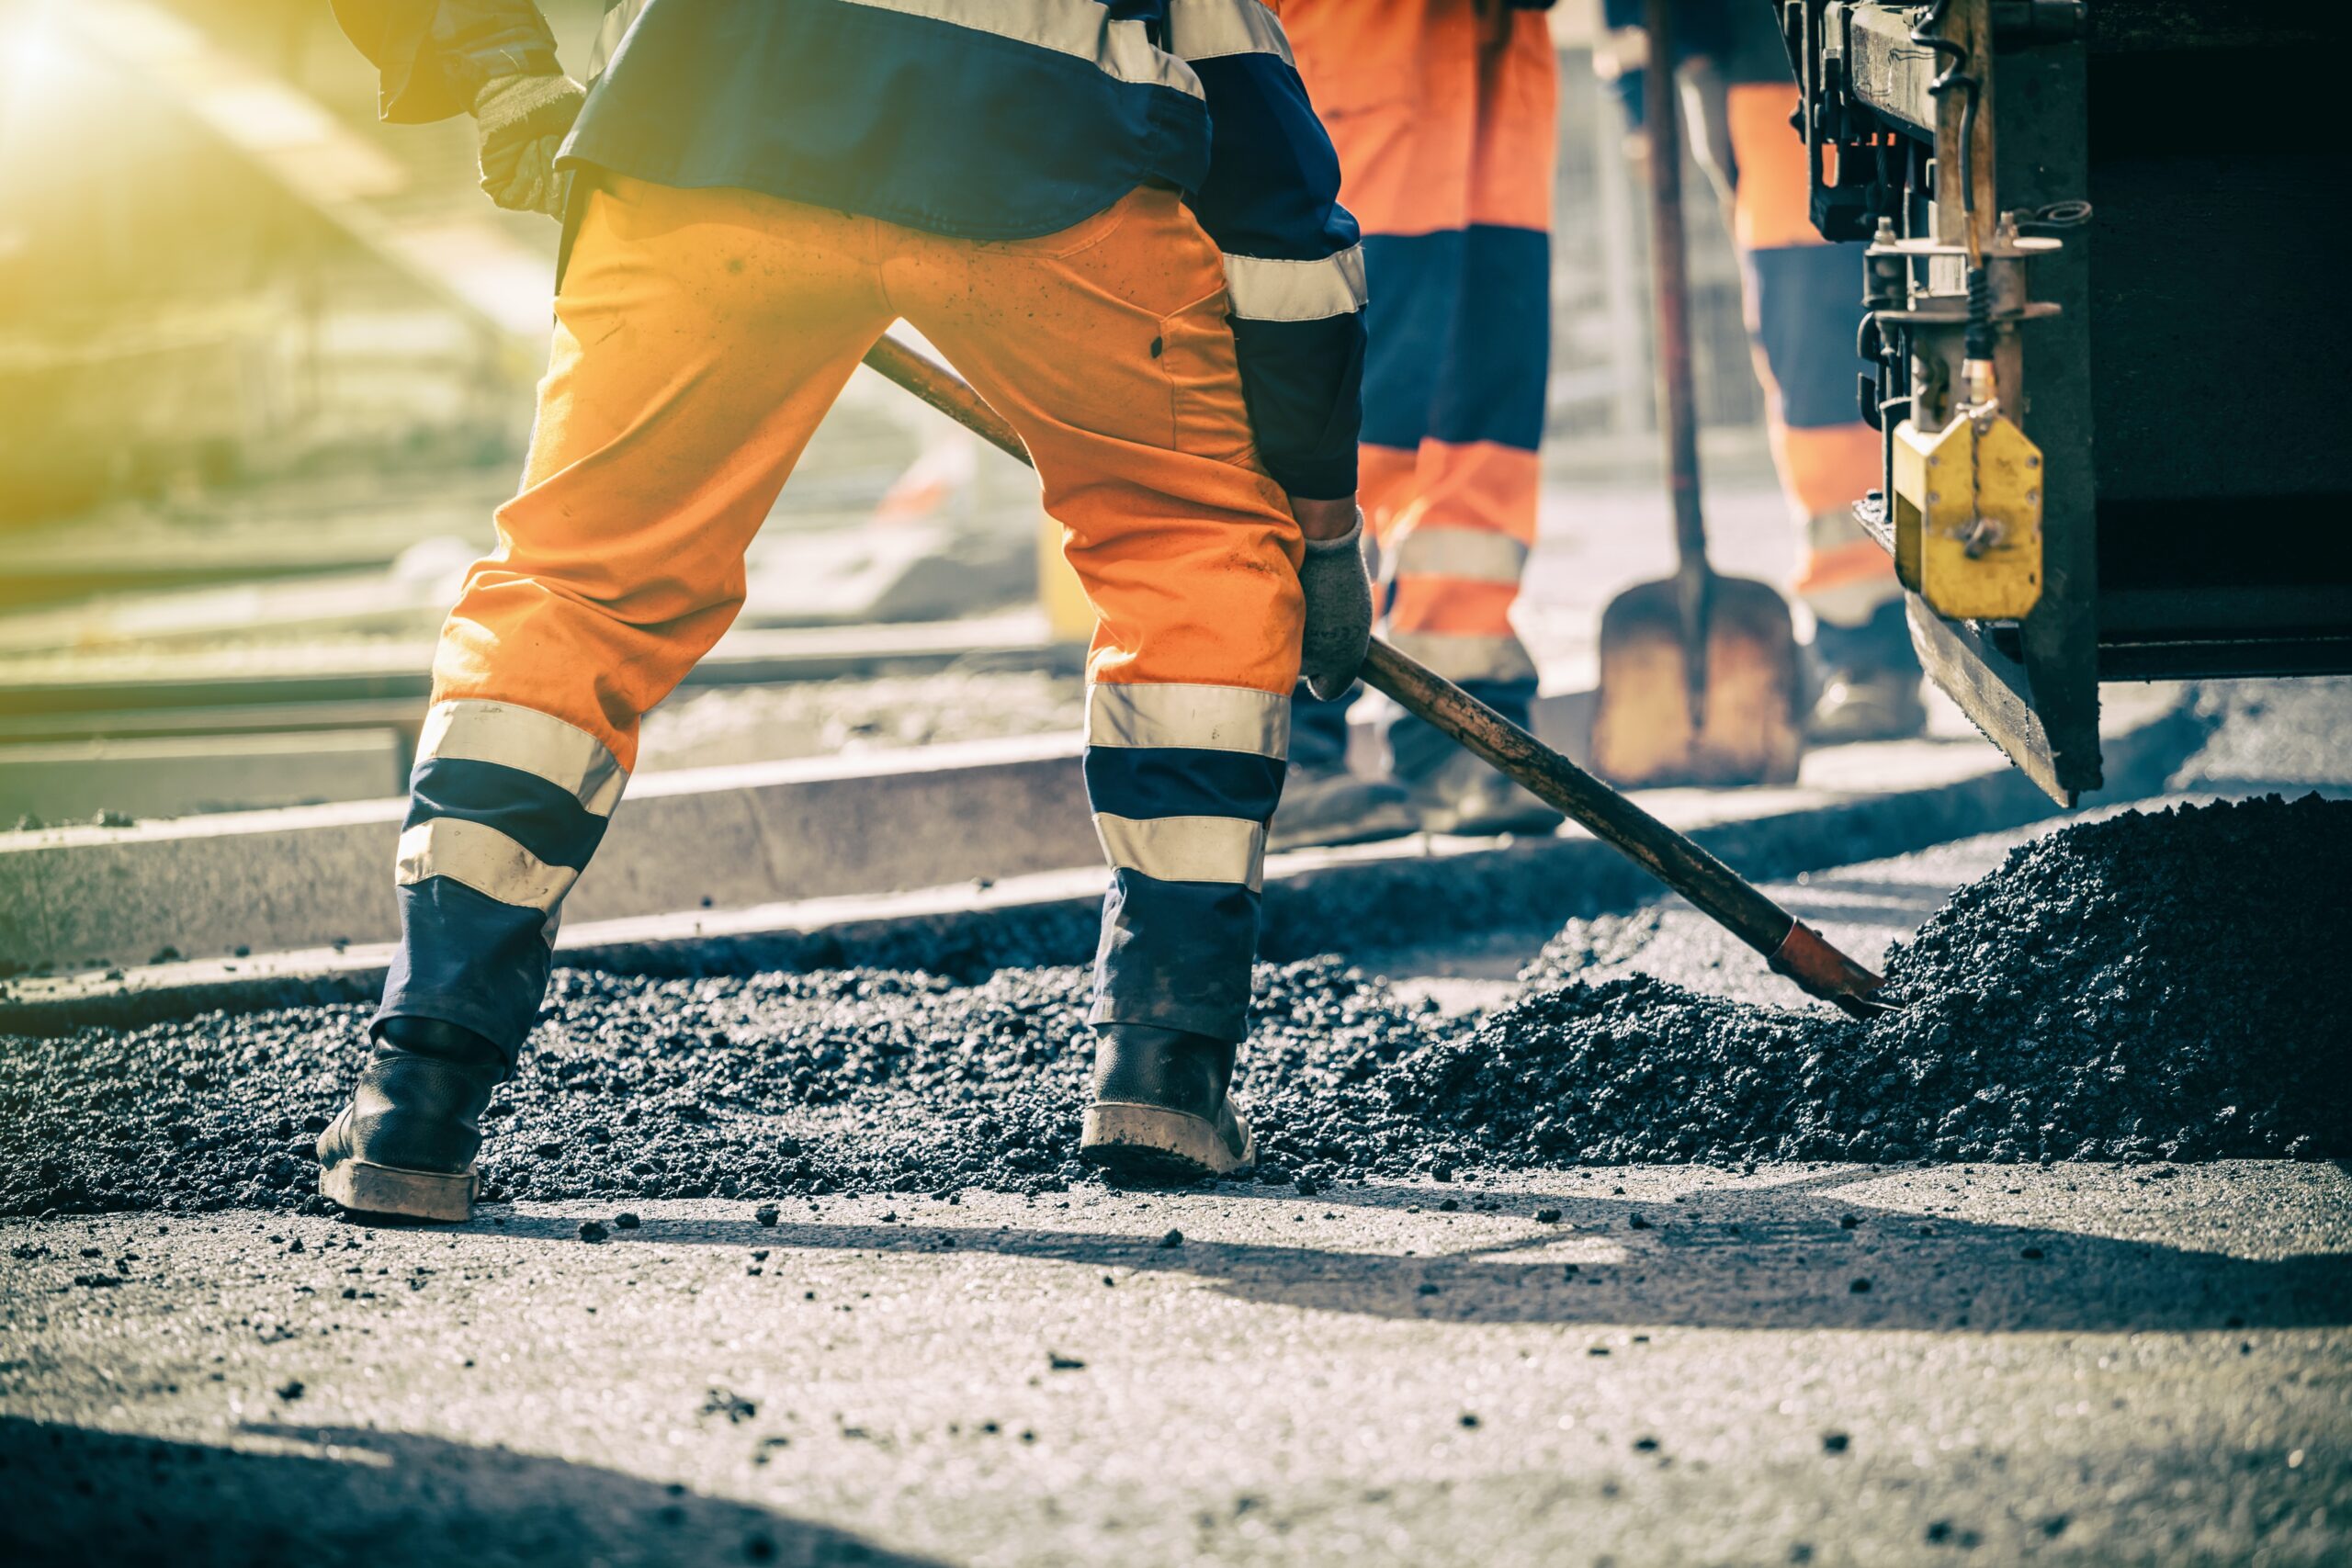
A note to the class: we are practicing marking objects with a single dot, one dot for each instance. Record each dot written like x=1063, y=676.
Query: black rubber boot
x=1465, y=796
x=1162, y=1107
x=405, y=1145
x=1332, y=806
x=1323, y=803
x=1872, y=705
x=1866, y=683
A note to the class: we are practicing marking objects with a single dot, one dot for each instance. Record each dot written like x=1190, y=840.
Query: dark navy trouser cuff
x=469, y=959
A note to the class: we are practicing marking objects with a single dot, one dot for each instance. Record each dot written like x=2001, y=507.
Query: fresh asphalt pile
x=2148, y=987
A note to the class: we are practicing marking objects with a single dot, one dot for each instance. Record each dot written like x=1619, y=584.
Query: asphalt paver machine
x=2105, y=336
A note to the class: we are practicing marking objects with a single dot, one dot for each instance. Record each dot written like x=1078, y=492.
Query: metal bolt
x=1935, y=496
x=2033, y=495
x=2034, y=462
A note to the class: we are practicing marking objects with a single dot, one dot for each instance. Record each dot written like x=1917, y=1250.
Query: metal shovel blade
x=1737, y=724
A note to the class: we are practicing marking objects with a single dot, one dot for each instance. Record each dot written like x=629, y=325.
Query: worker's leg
x=1396, y=86
x=1804, y=306
x=1458, y=550
x=699, y=337
x=1107, y=348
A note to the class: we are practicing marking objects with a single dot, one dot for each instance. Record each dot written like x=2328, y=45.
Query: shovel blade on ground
x=1645, y=731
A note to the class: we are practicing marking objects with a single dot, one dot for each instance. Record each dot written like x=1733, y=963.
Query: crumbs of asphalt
x=2160, y=985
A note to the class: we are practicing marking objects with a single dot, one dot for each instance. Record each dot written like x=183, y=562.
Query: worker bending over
x=1443, y=111
x=1804, y=306
x=1121, y=222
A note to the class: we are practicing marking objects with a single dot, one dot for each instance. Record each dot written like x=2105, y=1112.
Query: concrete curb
x=183, y=775
x=1381, y=895
x=727, y=838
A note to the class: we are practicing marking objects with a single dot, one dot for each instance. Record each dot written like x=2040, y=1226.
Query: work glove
x=523, y=120
x=1338, y=611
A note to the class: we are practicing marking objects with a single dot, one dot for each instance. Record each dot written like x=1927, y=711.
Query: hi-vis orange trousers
x=700, y=336
x=1803, y=305
x=1442, y=112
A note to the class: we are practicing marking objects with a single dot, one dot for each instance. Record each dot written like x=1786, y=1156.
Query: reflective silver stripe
x=532, y=742
x=1186, y=849
x=619, y=17
x=483, y=859
x=1472, y=554
x=1205, y=29
x=1122, y=50
x=1206, y=718
x=1263, y=290
x=1468, y=657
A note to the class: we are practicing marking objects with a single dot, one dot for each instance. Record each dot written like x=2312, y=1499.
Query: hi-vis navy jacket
x=981, y=118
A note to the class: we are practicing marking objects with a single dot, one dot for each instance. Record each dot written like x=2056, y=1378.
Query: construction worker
x=1803, y=304
x=1121, y=222
x=1443, y=111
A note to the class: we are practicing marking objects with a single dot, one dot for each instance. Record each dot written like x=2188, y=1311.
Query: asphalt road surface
x=2104, y=1364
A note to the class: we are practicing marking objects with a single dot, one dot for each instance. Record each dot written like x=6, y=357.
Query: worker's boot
x=1453, y=791
x=1867, y=704
x=405, y=1145
x=1332, y=806
x=1163, y=1109
x=1323, y=803
x=1867, y=682
x=1465, y=796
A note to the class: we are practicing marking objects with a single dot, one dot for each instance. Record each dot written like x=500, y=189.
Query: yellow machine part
x=1967, y=518
x=1069, y=616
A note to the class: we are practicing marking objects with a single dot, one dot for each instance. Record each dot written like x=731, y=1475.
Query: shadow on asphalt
x=332, y=1495
x=1777, y=1257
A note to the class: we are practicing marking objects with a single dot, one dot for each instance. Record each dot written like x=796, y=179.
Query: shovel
x=1698, y=671
x=1793, y=948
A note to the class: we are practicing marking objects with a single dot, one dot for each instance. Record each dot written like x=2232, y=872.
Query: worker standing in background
x=1444, y=114
x=1122, y=224
x=1803, y=305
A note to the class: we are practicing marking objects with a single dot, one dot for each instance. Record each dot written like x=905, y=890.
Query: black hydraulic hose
x=1977, y=341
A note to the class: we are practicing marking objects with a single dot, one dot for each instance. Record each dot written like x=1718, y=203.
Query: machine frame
x=2114, y=272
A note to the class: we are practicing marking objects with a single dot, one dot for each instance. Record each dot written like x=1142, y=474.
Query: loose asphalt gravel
x=2151, y=985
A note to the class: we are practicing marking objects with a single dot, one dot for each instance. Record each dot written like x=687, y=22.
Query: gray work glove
x=1338, y=611
x=524, y=120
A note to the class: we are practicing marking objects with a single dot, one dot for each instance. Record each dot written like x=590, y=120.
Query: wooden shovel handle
x=1677, y=416
x=1793, y=949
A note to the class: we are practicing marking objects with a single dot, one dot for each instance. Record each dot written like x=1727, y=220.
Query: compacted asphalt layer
x=2091, y=1363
